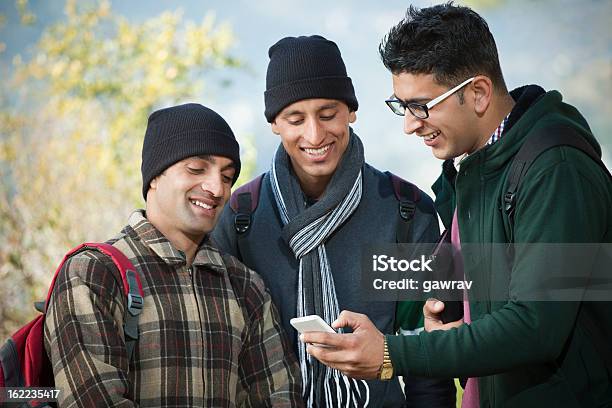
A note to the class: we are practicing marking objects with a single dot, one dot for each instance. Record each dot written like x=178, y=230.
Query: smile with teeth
x=317, y=152
x=431, y=136
x=201, y=204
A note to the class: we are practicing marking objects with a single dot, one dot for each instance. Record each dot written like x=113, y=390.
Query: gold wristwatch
x=385, y=372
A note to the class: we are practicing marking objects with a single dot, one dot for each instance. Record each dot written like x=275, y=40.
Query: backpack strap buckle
x=242, y=219
x=509, y=201
x=242, y=222
x=406, y=209
x=135, y=302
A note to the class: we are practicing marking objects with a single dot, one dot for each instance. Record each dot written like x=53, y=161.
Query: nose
x=314, y=133
x=213, y=183
x=411, y=123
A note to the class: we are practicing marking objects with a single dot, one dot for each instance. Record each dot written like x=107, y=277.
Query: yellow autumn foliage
x=72, y=119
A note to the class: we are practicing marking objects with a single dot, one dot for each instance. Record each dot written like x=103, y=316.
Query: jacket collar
x=444, y=191
x=444, y=187
x=143, y=230
x=532, y=102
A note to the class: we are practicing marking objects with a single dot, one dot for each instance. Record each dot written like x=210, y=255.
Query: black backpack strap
x=134, y=307
x=407, y=194
x=244, y=202
x=242, y=219
x=536, y=144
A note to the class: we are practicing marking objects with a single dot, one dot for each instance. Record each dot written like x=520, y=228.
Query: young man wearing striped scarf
x=318, y=205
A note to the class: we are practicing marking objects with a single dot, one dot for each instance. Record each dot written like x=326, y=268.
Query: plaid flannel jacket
x=209, y=334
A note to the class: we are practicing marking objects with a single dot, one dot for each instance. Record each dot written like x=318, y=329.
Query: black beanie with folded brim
x=179, y=132
x=305, y=68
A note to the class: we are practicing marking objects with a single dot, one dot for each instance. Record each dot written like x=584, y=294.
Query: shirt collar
x=206, y=254
x=497, y=134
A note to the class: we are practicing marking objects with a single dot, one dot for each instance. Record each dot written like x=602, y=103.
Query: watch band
x=385, y=371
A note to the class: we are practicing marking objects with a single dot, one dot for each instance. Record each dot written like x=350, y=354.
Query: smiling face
x=452, y=126
x=185, y=201
x=315, y=134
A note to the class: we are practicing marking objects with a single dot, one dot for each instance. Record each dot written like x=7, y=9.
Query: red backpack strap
x=244, y=202
x=132, y=287
x=23, y=360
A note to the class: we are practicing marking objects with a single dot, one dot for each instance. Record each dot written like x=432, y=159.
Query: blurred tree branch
x=72, y=118
x=25, y=15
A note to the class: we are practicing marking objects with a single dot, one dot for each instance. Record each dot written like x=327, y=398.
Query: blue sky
x=563, y=45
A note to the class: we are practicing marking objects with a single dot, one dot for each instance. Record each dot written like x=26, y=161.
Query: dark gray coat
x=374, y=221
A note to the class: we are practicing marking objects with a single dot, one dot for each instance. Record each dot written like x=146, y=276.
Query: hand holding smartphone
x=312, y=323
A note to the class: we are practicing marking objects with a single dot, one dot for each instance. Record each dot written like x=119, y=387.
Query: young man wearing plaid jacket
x=208, y=333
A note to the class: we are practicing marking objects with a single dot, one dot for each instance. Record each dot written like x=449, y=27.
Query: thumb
x=433, y=307
x=438, y=306
x=346, y=319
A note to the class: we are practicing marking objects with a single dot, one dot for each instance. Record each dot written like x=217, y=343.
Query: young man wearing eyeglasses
x=321, y=190
x=518, y=350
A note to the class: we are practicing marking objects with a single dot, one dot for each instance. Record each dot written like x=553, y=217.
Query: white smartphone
x=312, y=323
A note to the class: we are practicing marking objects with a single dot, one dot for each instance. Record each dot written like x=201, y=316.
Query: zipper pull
x=189, y=270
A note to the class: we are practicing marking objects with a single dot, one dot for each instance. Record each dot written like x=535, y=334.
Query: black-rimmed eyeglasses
x=421, y=110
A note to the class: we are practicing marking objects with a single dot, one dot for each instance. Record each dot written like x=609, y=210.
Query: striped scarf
x=306, y=229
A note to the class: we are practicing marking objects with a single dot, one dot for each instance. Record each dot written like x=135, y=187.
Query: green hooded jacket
x=525, y=353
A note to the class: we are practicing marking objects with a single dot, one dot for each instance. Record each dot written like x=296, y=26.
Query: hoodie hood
x=534, y=109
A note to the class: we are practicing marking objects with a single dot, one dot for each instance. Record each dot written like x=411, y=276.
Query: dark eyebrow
x=210, y=159
x=412, y=100
x=229, y=166
x=418, y=100
x=206, y=157
x=291, y=113
x=331, y=105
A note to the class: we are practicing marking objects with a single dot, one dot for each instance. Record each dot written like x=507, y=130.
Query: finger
x=431, y=323
x=432, y=320
x=433, y=307
x=323, y=338
x=431, y=313
x=339, y=361
x=347, y=319
x=326, y=355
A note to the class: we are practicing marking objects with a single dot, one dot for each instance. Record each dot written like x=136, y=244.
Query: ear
x=153, y=183
x=483, y=93
x=275, y=128
x=352, y=116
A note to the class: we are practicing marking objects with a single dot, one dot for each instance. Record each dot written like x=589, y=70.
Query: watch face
x=386, y=373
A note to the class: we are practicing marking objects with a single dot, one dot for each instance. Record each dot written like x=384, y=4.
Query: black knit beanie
x=305, y=68
x=183, y=131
